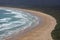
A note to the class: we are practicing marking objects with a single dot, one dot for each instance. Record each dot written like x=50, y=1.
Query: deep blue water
x=30, y=3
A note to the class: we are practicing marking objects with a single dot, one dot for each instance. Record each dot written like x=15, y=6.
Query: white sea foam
x=11, y=24
x=5, y=19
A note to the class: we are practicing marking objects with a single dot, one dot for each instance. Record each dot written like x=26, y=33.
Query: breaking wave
x=13, y=20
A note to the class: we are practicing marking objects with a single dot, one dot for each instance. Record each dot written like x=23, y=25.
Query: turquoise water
x=12, y=21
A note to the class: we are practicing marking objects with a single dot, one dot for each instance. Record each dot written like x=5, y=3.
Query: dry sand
x=41, y=32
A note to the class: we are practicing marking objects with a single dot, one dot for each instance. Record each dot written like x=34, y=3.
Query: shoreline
x=40, y=32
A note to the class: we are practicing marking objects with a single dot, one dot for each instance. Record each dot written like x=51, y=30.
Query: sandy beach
x=43, y=31
x=40, y=32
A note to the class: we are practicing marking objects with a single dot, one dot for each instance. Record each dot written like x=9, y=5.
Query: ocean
x=13, y=21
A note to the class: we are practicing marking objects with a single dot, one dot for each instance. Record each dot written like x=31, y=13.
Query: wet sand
x=43, y=31
x=40, y=32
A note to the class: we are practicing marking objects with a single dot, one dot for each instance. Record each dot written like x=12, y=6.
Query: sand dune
x=40, y=32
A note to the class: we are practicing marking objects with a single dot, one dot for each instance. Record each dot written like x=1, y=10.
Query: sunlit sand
x=42, y=29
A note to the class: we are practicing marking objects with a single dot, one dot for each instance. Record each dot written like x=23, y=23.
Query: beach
x=41, y=31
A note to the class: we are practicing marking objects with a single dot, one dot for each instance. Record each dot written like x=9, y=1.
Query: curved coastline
x=34, y=21
x=41, y=32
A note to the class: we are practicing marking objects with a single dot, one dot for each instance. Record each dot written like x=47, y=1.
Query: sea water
x=13, y=20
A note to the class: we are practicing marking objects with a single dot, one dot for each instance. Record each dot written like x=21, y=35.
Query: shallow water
x=13, y=21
